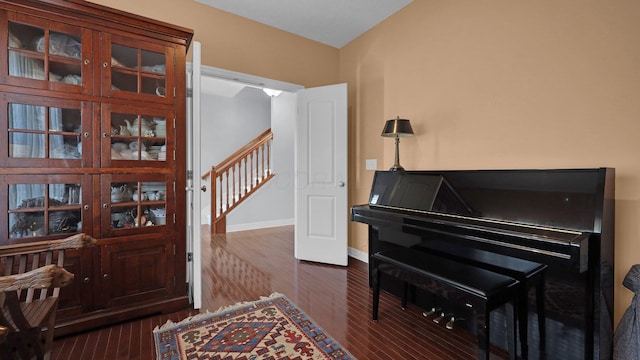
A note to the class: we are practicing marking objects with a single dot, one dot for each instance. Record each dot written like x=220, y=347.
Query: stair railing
x=237, y=177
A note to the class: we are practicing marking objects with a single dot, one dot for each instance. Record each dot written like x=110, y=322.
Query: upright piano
x=562, y=217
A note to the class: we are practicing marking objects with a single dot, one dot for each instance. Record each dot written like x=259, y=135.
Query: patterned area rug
x=270, y=328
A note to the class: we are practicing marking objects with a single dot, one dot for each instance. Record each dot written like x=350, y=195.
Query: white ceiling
x=331, y=22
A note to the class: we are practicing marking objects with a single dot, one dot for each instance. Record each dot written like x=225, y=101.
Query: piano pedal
x=430, y=312
x=451, y=321
x=439, y=318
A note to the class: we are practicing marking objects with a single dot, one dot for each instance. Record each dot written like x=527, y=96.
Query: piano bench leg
x=523, y=313
x=511, y=329
x=483, y=320
x=522, y=306
x=542, y=332
x=482, y=328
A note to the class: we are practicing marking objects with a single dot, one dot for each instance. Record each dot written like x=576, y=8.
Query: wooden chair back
x=31, y=276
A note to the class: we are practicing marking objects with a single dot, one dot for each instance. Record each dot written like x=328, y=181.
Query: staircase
x=237, y=177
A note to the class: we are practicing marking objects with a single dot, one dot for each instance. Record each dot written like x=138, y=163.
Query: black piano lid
x=563, y=199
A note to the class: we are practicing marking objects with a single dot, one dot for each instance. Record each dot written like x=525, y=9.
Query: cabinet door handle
x=86, y=207
x=105, y=64
x=204, y=188
x=86, y=134
x=86, y=280
x=105, y=276
x=87, y=61
x=104, y=206
x=105, y=135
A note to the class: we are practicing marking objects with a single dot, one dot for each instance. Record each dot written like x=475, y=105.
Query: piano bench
x=479, y=289
x=528, y=273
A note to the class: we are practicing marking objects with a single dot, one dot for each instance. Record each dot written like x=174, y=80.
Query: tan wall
x=504, y=84
x=234, y=43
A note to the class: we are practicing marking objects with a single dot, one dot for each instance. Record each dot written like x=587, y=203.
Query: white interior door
x=322, y=213
x=194, y=182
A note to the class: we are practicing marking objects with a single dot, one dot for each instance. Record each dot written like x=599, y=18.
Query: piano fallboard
x=561, y=247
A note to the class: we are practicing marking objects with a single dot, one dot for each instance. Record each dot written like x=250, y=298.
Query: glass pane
x=122, y=192
x=124, y=56
x=152, y=62
x=124, y=81
x=160, y=127
x=153, y=85
x=25, y=145
x=26, y=67
x=65, y=72
x=24, y=61
x=25, y=224
x=63, y=45
x=121, y=218
x=68, y=120
x=154, y=211
x=64, y=221
x=65, y=147
x=28, y=117
x=23, y=196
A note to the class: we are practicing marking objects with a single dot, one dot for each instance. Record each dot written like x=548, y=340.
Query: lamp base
x=396, y=168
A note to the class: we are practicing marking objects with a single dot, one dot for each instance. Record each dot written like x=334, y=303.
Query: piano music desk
x=479, y=289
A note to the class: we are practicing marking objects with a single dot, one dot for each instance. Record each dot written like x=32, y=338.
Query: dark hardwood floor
x=243, y=266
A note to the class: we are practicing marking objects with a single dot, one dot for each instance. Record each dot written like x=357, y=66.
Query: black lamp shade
x=397, y=128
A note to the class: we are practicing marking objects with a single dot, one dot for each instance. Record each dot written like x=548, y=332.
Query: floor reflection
x=232, y=274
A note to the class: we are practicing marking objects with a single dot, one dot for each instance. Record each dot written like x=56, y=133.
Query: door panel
x=321, y=175
x=135, y=271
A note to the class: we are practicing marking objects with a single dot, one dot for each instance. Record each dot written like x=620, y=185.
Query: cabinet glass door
x=44, y=131
x=137, y=205
x=139, y=70
x=46, y=54
x=138, y=135
x=39, y=206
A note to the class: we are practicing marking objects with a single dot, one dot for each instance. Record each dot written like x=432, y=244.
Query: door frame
x=249, y=80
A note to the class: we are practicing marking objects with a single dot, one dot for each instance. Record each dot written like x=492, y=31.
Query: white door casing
x=321, y=175
x=194, y=202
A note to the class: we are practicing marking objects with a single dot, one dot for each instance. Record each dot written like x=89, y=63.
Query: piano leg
x=375, y=278
x=405, y=293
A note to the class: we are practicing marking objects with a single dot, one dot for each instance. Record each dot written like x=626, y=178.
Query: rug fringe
x=170, y=323
x=222, y=309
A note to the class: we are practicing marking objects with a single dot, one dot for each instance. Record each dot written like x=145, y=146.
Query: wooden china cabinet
x=93, y=140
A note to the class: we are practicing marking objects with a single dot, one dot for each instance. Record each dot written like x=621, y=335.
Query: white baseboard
x=260, y=225
x=357, y=254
